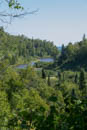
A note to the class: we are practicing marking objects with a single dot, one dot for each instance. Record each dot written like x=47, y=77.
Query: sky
x=60, y=21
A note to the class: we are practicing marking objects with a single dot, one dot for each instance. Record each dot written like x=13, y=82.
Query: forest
x=46, y=96
x=18, y=49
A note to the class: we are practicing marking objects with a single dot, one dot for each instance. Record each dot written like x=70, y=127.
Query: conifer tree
x=82, y=80
x=49, y=82
x=59, y=76
x=43, y=74
x=84, y=37
x=76, y=78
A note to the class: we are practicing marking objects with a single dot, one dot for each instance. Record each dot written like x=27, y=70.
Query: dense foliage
x=73, y=56
x=16, y=48
x=42, y=97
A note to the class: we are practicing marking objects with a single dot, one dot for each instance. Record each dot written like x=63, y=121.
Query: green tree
x=59, y=76
x=43, y=74
x=84, y=37
x=49, y=82
x=76, y=78
x=63, y=50
x=82, y=79
x=4, y=109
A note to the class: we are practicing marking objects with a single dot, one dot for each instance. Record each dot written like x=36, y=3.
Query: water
x=23, y=66
x=43, y=60
x=46, y=60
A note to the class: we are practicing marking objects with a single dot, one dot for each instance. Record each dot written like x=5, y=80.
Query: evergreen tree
x=51, y=122
x=43, y=74
x=76, y=78
x=73, y=95
x=13, y=60
x=49, y=82
x=82, y=80
x=63, y=55
x=59, y=76
x=63, y=76
x=84, y=37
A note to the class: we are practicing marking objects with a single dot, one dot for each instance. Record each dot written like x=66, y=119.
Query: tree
x=13, y=10
x=4, y=108
x=63, y=76
x=51, y=122
x=49, y=82
x=77, y=117
x=84, y=37
x=62, y=53
x=73, y=95
x=43, y=74
x=59, y=76
x=62, y=50
x=82, y=79
x=76, y=78
x=62, y=57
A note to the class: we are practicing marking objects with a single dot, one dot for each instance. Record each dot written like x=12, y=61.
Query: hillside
x=74, y=56
x=14, y=48
x=41, y=97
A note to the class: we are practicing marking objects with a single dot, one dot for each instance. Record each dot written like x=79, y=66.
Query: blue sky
x=60, y=21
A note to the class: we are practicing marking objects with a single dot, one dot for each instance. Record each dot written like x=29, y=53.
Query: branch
x=17, y=15
x=14, y=11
